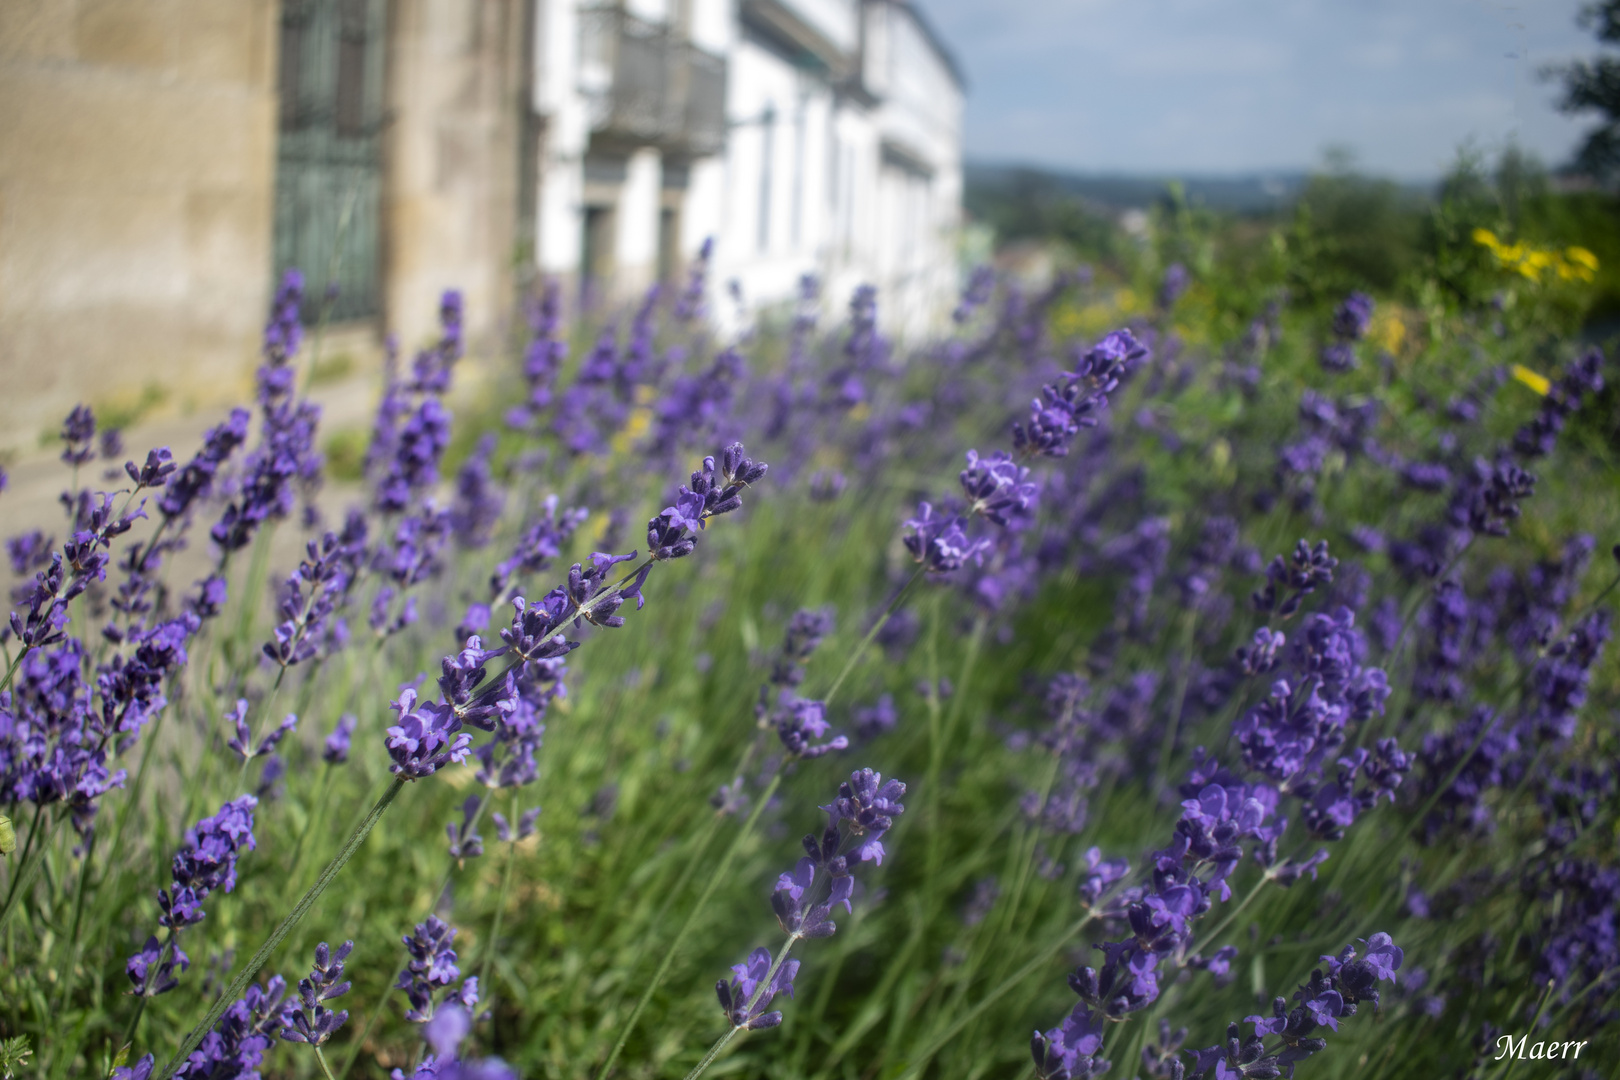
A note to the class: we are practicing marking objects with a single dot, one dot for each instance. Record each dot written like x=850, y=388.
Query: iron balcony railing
x=647, y=86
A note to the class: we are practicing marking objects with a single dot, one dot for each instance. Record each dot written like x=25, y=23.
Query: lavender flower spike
x=736, y=997
x=806, y=896
x=427, y=737
x=336, y=750
x=238, y=1043
x=207, y=861
x=1324, y=1000
x=311, y=1021
x=432, y=968
x=715, y=490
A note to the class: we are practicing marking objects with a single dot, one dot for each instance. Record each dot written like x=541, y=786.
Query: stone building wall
x=456, y=90
x=137, y=184
x=137, y=153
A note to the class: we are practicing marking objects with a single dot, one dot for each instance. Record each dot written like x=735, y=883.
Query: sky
x=1244, y=86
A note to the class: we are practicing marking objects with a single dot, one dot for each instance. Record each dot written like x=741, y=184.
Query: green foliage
x=1031, y=205
x=346, y=454
x=14, y=1054
x=1593, y=86
x=1353, y=231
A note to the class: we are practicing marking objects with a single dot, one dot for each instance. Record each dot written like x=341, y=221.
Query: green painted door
x=329, y=153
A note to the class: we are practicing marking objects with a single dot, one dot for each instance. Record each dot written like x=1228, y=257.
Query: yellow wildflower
x=1534, y=380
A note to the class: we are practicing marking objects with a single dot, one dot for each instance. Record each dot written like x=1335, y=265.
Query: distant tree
x=1352, y=231
x=1594, y=86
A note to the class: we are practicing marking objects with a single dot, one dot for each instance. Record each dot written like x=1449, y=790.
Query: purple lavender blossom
x=689, y=304
x=1323, y=1001
x=525, y=825
x=1205, y=849
x=207, y=861
x=311, y=1021
x=1288, y=583
x=241, y=740
x=478, y=500
x=1069, y=1051
x=284, y=330
x=542, y=359
x=285, y=456
x=876, y=719
x=695, y=408
x=1559, y=682
x=798, y=722
x=196, y=480
x=29, y=553
x=1584, y=377
x=79, y=436
x=141, y=1070
x=714, y=490
x=508, y=760
x=1352, y=317
x=82, y=561
x=420, y=447
x=1067, y=406
x=392, y=406
x=465, y=843
x=541, y=543
x=308, y=600
x=336, y=749
x=1173, y=285
x=866, y=352
x=152, y=967
x=238, y=1043
x=806, y=896
x=427, y=737
x=805, y=632
x=430, y=371
x=1490, y=497
x=432, y=969
x=737, y=997
x=596, y=407
x=155, y=473
x=939, y=543
x=1350, y=321
x=997, y=487
x=976, y=293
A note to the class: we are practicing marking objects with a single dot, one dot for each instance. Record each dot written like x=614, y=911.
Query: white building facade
x=802, y=136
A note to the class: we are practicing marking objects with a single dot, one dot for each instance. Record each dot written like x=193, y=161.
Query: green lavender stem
x=78, y=915
x=871, y=635
x=1161, y=774
x=316, y=821
x=377, y=1010
x=27, y=867
x=292, y=919
x=11, y=669
x=1015, y=979
x=268, y=713
x=760, y=991
x=715, y=878
x=326, y=1070
x=500, y=907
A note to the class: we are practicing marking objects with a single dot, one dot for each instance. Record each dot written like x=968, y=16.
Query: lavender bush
x=1150, y=664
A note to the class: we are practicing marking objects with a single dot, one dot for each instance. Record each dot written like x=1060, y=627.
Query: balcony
x=820, y=35
x=647, y=87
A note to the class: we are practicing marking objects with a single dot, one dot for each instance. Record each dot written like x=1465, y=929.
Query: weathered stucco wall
x=455, y=86
x=137, y=158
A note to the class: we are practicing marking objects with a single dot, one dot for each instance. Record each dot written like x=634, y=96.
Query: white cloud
x=1213, y=85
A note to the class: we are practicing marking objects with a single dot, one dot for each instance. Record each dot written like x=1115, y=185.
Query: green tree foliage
x=1594, y=86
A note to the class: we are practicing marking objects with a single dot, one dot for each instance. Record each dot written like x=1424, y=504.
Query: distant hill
x=1241, y=194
